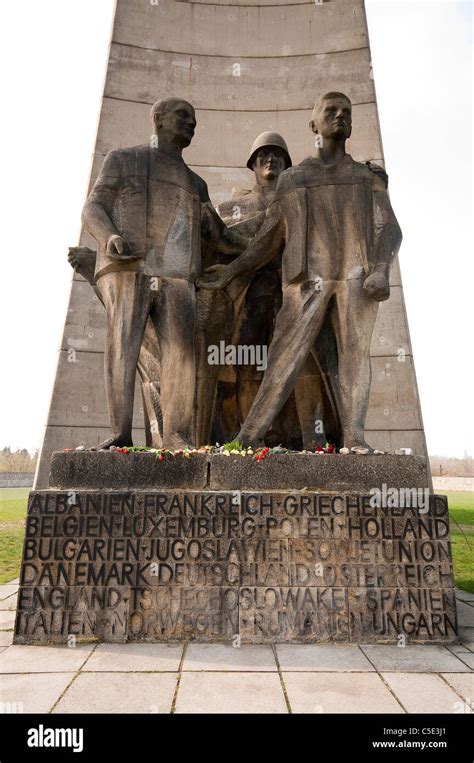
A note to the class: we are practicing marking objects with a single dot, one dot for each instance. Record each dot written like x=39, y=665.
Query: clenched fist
x=117, y=249
x=376, y=285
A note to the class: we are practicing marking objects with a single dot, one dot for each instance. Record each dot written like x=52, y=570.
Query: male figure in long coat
x=83, y=260
x=333, y=223
x=147, y=211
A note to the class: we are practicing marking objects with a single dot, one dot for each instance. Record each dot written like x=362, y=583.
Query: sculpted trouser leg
x=255, y=330
x=297, y=326
x=126, y=298
x=354, y=318
x=148, y=362
x=174, y=315
x=310, y=405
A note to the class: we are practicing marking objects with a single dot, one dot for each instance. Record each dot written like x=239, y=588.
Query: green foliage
x=233, y=446
x=13, y=503
x=10, y=554
x=138, y=449
x=461, y=511
x=19, y=461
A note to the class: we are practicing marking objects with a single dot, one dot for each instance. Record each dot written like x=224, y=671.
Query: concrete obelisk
x=246, y=68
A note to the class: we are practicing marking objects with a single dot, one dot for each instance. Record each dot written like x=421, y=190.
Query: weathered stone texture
x=209, y=566
x=207, y=52
x=352, y=473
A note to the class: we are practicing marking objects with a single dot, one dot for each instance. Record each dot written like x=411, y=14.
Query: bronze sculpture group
x=297, y=264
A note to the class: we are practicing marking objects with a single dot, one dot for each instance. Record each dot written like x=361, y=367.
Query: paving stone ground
x=216, y=678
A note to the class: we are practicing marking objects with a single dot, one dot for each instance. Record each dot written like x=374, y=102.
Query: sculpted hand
x=376, y=285
x=74, y=256
x=79, y=256
x=83, y=259
x=221, y=276
x=117, y=249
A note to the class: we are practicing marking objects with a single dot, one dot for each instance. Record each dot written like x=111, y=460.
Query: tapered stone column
x=246, y=67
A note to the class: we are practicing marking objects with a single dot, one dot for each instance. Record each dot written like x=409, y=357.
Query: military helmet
x=265, y=140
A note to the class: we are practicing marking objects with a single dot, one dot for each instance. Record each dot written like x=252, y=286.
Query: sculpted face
x=333, y=118
x=269, y=163
x=177, y=124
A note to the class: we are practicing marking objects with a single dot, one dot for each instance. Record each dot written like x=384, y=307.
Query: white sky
x=53, y=57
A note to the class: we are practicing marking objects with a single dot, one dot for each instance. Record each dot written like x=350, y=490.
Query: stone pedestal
x=290, y=471
x=360, y=552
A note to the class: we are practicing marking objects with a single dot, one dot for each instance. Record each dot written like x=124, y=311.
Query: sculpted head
x=332, y=116
x=174, y=120
x=269, y=163
x=268, y=157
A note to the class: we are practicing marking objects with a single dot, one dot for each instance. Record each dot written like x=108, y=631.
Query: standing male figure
x=257, y=296
x=332, y=219
x=244, y=314
x=83, y=260
x=147, y=211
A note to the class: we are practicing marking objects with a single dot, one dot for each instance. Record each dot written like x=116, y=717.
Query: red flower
x=330, y=449
x=261, y=454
